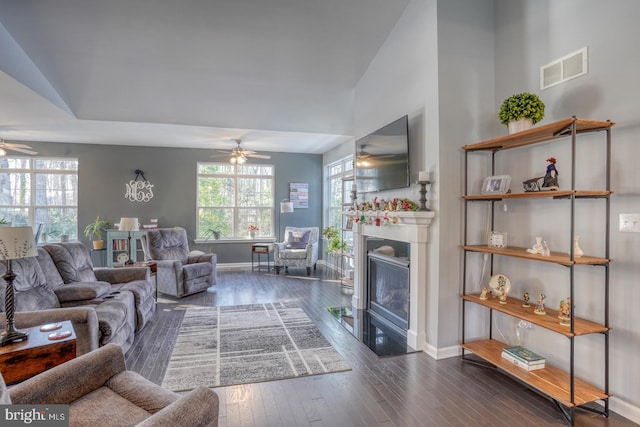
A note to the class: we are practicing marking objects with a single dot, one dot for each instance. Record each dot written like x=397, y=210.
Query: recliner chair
x=100, y=391
x=179, y=273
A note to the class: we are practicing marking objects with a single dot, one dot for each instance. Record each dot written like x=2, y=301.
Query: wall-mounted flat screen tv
x=382, y=158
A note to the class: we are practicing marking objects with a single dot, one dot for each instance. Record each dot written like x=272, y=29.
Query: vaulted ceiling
x=280, y=74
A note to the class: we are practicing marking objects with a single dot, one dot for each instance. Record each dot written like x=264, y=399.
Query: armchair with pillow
x=179, y=273
x=299, y=249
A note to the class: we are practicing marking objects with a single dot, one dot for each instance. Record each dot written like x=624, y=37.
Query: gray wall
x=105, y=169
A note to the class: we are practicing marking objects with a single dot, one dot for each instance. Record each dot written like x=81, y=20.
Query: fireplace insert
x=388, y=288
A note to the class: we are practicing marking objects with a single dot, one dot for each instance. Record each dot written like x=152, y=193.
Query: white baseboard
x=625, y=409
x=441, y=353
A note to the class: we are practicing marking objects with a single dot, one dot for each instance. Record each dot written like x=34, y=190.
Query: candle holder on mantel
x=423, y=196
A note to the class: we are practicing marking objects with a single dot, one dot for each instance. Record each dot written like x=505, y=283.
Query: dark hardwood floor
x=408, y=390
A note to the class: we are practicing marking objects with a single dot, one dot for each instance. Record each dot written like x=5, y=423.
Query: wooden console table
x=22, y=360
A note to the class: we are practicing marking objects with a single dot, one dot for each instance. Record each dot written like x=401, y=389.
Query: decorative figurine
x=547, y=182
x=503, y=296
x=537, y=247
x=540, y=307
x=483, y=293
x=564, y=314
x=577, y=251
x=545, y=251
x=550, y=181
x=525, y=300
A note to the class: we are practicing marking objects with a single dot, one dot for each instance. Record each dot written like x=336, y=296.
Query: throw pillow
x=298, y=239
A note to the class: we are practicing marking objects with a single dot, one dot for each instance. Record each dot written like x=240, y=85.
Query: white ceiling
x=279, y=74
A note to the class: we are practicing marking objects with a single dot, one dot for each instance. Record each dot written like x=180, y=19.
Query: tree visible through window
x=232, y=197
x=36, y=191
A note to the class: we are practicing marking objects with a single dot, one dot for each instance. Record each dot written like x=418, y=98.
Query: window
x=36, y=191
x=339, y=189
x=232, y=197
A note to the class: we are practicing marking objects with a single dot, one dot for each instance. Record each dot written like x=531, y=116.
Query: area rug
x=218, y=346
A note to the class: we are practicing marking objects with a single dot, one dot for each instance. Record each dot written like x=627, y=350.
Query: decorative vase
x=252, y=234
x=577, y=251
x=520, y=125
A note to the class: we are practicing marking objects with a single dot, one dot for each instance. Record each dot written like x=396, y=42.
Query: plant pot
x=520, y=125
x=98, y=244
x=252, y=234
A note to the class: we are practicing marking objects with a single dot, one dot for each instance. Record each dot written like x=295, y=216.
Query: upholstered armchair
x=299, y=249
x=100, y=391
x=179, y=273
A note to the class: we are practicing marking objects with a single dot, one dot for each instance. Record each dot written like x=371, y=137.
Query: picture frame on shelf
x=497, y=184
x=349, y=224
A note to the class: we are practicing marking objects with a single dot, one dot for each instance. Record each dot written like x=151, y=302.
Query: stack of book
x=523, y=357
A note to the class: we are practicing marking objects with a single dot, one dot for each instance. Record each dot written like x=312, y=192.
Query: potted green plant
x=94, y=232
x=335, y=245
x=521, y=111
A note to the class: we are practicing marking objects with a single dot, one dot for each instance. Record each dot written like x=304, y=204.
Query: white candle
x=422, y=176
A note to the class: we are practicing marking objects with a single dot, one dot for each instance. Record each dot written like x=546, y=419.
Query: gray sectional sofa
x=105, y=305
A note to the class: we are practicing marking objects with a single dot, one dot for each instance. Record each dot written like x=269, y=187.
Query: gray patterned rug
x=241, y=344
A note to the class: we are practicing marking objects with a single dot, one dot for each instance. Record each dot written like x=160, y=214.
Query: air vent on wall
x=563, y=69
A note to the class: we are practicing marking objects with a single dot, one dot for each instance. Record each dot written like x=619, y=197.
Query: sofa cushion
x=98, y=405
x=73, y=261
x=294, y=254
x=82, y=291
x=298, y=239
x=49, y=269
x=31, y=290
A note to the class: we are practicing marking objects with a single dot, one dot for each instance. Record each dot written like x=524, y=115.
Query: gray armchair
x=299, y=249
x=100, y=391
x=179, y=273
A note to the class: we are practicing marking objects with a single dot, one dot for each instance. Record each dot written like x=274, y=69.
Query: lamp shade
x=129, y=224
x=286, y=206
x=16, y=243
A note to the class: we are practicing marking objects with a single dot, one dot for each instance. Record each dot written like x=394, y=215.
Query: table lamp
x=129, y=225
x=15, y=243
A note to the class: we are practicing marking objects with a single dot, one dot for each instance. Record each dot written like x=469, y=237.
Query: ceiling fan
x=239, y=155
x=22, y=148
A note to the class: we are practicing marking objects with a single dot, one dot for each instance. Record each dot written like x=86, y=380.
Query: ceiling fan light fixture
x=2, y=153
x=233, y=160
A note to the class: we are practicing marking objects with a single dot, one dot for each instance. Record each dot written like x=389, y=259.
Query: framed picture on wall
x=299, y=194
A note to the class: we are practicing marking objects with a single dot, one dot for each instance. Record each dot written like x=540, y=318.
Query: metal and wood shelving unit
x=560, y=385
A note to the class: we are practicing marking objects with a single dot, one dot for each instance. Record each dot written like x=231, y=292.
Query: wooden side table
x=22, y=360
x=259, y=249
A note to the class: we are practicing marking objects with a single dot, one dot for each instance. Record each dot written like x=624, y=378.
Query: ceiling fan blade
x=258, y=156
x=12, y=145
x=22, y=150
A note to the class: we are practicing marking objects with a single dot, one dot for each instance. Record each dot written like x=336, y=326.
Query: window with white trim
x=230, y=198
x=339, y=192
x=38, y=190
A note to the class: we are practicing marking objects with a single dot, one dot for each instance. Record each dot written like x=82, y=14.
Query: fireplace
x=388, y=288
x=411, y=229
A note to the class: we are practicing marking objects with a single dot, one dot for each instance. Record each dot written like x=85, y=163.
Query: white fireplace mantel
x=412, y=228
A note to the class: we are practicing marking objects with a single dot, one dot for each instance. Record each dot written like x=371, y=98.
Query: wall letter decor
x=139, y=191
